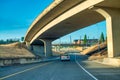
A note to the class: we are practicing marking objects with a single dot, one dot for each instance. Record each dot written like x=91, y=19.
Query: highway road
x=75, y=69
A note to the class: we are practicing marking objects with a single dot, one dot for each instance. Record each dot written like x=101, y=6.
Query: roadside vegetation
x=14, y=50
x=8, y=41
x=97, y=51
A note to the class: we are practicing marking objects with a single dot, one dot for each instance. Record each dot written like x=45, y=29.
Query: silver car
x=65, y=57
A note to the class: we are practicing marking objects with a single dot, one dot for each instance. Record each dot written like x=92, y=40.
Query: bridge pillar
x=112, y=17
x=29, y=46
x=38, y=50
x=47, y=47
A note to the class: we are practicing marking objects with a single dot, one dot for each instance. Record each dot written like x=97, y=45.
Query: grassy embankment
x=96, y=52
x=14, y=50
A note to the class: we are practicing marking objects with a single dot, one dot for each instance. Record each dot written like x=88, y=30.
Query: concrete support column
x=29, y=46
x=38, y=50
x=112, y=17
x=47, y=47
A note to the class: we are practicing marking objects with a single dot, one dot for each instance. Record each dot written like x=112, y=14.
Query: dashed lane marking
x=24, y=71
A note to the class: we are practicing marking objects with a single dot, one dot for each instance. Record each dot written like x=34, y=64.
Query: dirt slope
x=97, y=55
x=94, y=48
x=14, y=50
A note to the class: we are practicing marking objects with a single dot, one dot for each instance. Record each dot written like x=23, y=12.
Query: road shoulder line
x=24, y=71
x=86, y=70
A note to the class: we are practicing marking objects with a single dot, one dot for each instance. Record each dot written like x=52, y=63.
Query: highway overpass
x=65, y=16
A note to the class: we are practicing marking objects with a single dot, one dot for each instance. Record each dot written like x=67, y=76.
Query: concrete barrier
x=13, y=61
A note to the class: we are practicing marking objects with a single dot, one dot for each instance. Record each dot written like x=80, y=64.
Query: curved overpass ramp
x=65, y=16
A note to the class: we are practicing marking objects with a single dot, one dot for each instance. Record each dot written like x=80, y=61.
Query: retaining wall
x=13, y=61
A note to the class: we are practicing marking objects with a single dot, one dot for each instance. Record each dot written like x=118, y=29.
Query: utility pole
x=59, y=44
x=70, y=40
x=79, y=43
x=98, y=46
x=88, y=41
x=98, y=37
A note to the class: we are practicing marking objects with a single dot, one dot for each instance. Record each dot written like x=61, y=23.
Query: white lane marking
x=24, y=71
x=52, y=78
x=86, y=71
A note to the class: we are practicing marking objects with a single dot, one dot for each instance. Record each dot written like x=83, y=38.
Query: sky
x=93, y=32
x=16, y=16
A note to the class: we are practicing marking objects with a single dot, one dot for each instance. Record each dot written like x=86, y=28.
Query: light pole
x=70, y=40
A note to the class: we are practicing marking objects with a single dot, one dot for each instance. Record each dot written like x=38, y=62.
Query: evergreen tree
x=22, y=38
x=101, y=38
x=85, y=39
x=7, y=41
x=2, y=41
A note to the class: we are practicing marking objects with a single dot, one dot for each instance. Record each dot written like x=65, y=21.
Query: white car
x=65, y=58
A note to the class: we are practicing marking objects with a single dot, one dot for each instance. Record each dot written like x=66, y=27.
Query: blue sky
x=16, y=16
x=93, y=32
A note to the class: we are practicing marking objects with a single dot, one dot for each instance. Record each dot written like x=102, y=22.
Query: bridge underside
x=73, y=23
x=77, y=16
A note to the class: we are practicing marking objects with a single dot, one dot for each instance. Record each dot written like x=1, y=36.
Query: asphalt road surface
x=78, y=68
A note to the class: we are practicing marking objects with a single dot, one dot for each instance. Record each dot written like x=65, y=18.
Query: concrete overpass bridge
x=65, y=16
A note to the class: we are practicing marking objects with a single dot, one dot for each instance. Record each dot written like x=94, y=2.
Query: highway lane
x=100, y=71
x=54, y=71
x=61, y=70
x=7, y=70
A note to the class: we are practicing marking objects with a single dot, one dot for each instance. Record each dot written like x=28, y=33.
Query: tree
x=102, y=39
x=22, y=38
x=2, y=41
x=7, y=41
x=85, y=39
